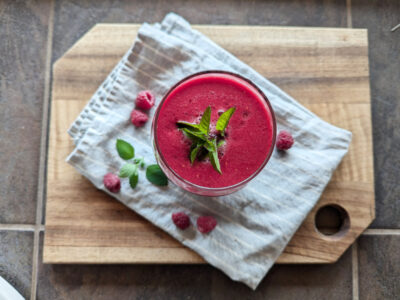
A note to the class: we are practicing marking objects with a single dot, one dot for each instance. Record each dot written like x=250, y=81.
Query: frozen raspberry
x=205, y=224
x=112, y=182
x=138, y=118
x=181, y=220
x=284, y=140
x=145, y=100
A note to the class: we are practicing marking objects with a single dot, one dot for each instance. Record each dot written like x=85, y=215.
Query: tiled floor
x=16, y=259
x=124, y=282
x=379, y=16
x=379, y=262
x=293, y=282
x=35, y=33
x=23, y=32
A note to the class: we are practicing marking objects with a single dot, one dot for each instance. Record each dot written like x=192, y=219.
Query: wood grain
x=325, y=69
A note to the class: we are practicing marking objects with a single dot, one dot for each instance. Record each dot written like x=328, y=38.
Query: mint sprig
x=183, y=124
x=223, y=120
x=131, y=169
x=204, y=125
x=201, y=139
x=213, y=155
x=195, y=152
x=194, y=135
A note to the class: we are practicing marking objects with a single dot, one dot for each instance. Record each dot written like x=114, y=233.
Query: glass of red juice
x=248, y=141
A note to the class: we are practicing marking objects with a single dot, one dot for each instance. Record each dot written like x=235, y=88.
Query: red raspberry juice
x=249, y=135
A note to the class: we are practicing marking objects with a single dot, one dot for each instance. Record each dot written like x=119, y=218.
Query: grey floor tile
x=23, y=36
x=16, y=260
x=123, y=281
x=74, y=18
x=332, y=281
x=378, y=265
x=379, y=16
x=329, y=281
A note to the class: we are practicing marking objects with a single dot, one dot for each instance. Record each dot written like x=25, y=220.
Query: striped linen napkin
x=254, y=224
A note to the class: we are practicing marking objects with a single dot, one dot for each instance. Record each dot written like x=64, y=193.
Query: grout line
x=348, y=14
x=395, y=28
x=45, y=122
x=381, y=232
x=17, y=227
x=43, y=153
x=354, y=263
x=35, y=262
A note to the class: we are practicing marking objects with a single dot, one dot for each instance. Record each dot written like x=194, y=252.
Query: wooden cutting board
x=326, y=69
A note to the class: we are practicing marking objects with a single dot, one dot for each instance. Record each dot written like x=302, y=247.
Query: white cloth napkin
x=254, y=224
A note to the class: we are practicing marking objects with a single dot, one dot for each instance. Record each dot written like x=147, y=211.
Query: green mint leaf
x=213, y=155
x=210, y=145
x=125, y=150
x=223, y=120
x=215, y=161
x=194, y=135
x=220, y=143
x=133, y=180
x=199, y=134
x=156, y=176
x=139, y=161
x=194, y=152
x=204, y=125
x=127, y=170
x=183, y=124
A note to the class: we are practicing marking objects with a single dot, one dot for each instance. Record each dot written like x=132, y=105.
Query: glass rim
x=205, y=188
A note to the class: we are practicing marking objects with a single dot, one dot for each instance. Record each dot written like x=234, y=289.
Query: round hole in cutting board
x=332, y=220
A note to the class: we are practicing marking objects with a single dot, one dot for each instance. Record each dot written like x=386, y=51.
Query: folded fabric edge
x=75, y=130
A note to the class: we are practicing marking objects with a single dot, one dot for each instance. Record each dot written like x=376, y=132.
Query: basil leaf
x=127, y=170
x=223, y=120
x=194, y=135
x=156, y=176
x=133, y=180
x=204, y=125
x=194, y=152
x=139, y=161
x=183, y=124
x=215, y=161
x=125, y=150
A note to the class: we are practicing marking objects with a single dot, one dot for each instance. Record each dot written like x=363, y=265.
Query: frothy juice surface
x=248, y=137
